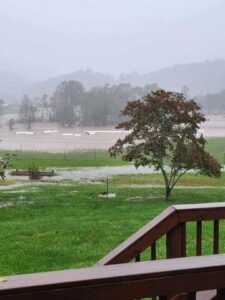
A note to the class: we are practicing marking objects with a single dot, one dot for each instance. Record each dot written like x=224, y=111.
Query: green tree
x=148, y=88
x=66, y=100
x=27, y=111
x=43, y=111
x=185, y=91
x=213, y=103
x=4, y=162
x=11, y=123
x=96, y=106
x=102, y=105
x=163, y=134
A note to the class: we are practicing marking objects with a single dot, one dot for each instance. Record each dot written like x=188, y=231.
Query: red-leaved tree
x=163, y=133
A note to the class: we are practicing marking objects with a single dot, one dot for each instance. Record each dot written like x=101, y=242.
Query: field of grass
x=58, y=227
x=55, y=227
x=82, y=158
x=188, y=180
x=216, y=147
x=89, y=158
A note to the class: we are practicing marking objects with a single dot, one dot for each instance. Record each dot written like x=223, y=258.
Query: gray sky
x=41, y=38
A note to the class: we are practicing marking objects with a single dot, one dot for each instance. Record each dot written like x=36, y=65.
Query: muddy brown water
x=61, y=139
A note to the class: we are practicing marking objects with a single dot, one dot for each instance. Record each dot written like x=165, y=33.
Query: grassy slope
x=53, y=227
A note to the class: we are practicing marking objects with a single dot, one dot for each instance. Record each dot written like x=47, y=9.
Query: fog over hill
x=201, y=78
x=12, y=85
x=88, y=78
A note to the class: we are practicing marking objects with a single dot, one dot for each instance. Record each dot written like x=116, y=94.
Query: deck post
x=176, y=241
x=220, y=294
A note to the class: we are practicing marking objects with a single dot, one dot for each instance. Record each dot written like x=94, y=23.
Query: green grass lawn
x=59, y=227
x=89, y=158
x=187, y=180
x=81, y=158
x=216, y=147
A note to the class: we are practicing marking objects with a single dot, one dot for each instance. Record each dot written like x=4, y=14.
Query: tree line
x=71, y=104
x=213, y=103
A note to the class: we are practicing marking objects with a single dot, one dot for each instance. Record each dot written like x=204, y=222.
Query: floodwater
x=89, y=174
x=83, y=175
x=93, y=174
x=52, y=138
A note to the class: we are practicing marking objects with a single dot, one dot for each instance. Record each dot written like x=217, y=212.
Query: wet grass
x=89, y=158
x=188, y=180
x=82, y=158
x=216, y=147
x=58, y=227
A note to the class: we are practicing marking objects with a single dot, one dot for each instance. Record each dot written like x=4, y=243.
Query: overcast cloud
x=42, y=38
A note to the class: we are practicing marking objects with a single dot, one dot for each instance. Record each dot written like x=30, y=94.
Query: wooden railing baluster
x=176, y=241
x=138, y=258
x=175, y=279
x=199, y=238
x=142, y=239
x=216, y=237
x=220, y=294
x=191, y=296
x=172, y=224
x=153, y=251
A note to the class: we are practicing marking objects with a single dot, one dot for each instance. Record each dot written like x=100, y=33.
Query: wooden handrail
x=200, y=212
x=180, y=277
x=171, y=223
x=124, y=281
x=139, y=241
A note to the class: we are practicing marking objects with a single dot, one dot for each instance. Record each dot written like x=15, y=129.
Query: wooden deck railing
x=172, y=224
x=115, y=277
x=157, y=280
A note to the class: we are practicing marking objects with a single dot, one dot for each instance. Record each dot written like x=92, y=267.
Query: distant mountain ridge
x=88, y=78
x=201, y=78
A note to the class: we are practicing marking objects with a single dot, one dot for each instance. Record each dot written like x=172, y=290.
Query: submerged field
x=57, y=227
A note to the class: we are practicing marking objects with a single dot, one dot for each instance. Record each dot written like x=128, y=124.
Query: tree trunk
x=168, y=192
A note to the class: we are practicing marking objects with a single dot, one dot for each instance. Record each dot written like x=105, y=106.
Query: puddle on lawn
x=109, y=195
x=6, y=204
x=95, y=174
x=20, y=191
